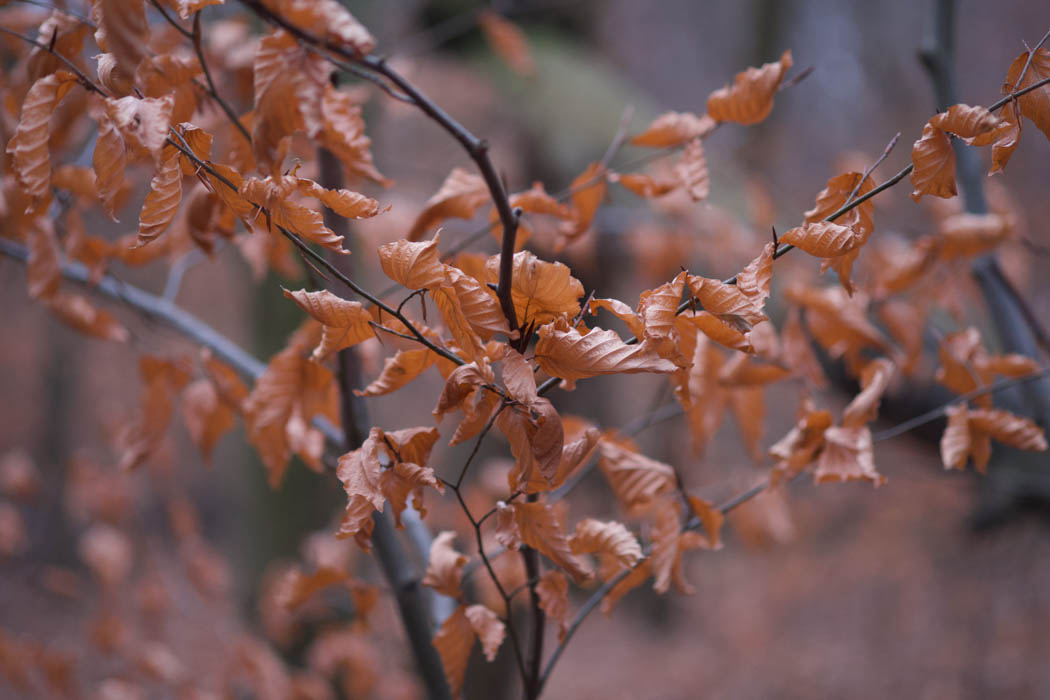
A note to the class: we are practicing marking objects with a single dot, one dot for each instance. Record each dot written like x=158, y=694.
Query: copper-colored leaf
x=553, y=592
x=109, y=161
x=934, y=162
x=750, y=99
x=566, y=354
x=1036, y=104
x=143, y=123
x=460, y=196
x=343, y=133
x=413, y=265
x=864, y=407
x=955, y=442
x=847, y=456
x=541, y=291
x=1007, y=137
x=674, y=129
x=331, y=20
x=635, y=479
x=360, y=472
x=79, y=313
x=711, y=518
x=609, y=538
x=445, y=566
x=489, y=629
x=399, y=370
x=691, y=170
x=206, y=416
x=454, y=640
x=822, y=239
x=588, y=191
x=346, y=203
x=346, y=323
x=975, y=125
x=1013, y=430
x=28, y=147
x=165, y=195
x=964, y=235
x=123, y=31
x=508, y=41
x=657, y=309
x=539, y=528
x=44, y=266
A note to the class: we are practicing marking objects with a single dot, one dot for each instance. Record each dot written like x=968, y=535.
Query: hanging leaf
x=1006, y=137
x=346, y=323
x=445, y=566
x=507, y=41
x=28, y=147
x=79, y=313
x=822, y=239
x=934, y=162
x=691, y=170
x=974, y=125
x=489, y=629
x=454, y=640
x=1036, y=104
x=564, y=353
x=750, y=99
x=553, y=592
x=165, y=195
x=541, y=291
x=460, y=197
x=343, y=133
x=588, y=192
x=608, y=538
x=674, y=129
x=635, y=479
x=847, y=456
x=539, y=528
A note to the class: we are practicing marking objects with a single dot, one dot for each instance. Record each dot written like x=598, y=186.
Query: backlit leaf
x=822, y=239
x=346, y=323
x=565, y=353
x=553, y=592
x=489, y=629
x=165, y=195
x=635, y=479
x=28, y=147
x=541, y=291
x=934, y=162
x=750, y=99
x=1036, y=104
x=461, y=195
x=674, y=129
x=609, y=538
x=445, y=566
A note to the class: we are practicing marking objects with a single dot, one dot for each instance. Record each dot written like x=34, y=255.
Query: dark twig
x=171, y=20
x=196, y=37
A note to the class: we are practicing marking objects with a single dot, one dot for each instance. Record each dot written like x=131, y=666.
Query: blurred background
x=932, y=586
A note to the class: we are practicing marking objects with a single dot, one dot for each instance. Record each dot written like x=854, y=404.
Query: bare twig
x=196, y=37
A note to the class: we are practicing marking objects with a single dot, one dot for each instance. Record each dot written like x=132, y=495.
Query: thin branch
x=197, y=37
x=359, y=72
x=84, y=80
x=47, y=6
x=476, y=148
x=171, y=20
x=873, y=166
x=477, y=446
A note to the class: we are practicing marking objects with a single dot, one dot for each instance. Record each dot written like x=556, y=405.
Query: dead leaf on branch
x=750, y=99
x=673, y=129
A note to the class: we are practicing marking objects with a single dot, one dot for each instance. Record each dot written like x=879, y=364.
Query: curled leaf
x=750, y=99
x=674, y=129
x=934, y=162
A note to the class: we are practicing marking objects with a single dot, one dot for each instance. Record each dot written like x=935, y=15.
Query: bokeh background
x=932, y=586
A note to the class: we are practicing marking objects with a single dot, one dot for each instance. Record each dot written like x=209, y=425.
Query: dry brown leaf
x=79, y=313
x=507, y=41
x=343, y=133
x=609, y=538
x=44, y=265
x=588, y=192
x=445, y=566
x=143, y=123
x=674, y=129
x=346, y=323
x=553, y=592
x=934, y=162
x=398, y=371
x=489, y=629
x=289, y=87
x=847, y=456
x=965, y=235
x=207, y=417
x=165, y=195
x=541, y=291
x=822, y=239
x=955, y=442
x=461, y=195
x=453, y=641
x=540, y=528
x=1036, y=104
x=565, y=353
x=28, y=148
x=750, y=99
x=1006, y=137
x=634, y=478
x=974, y=125
x=413, y=265
x=864, y=407
x=691, y=171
